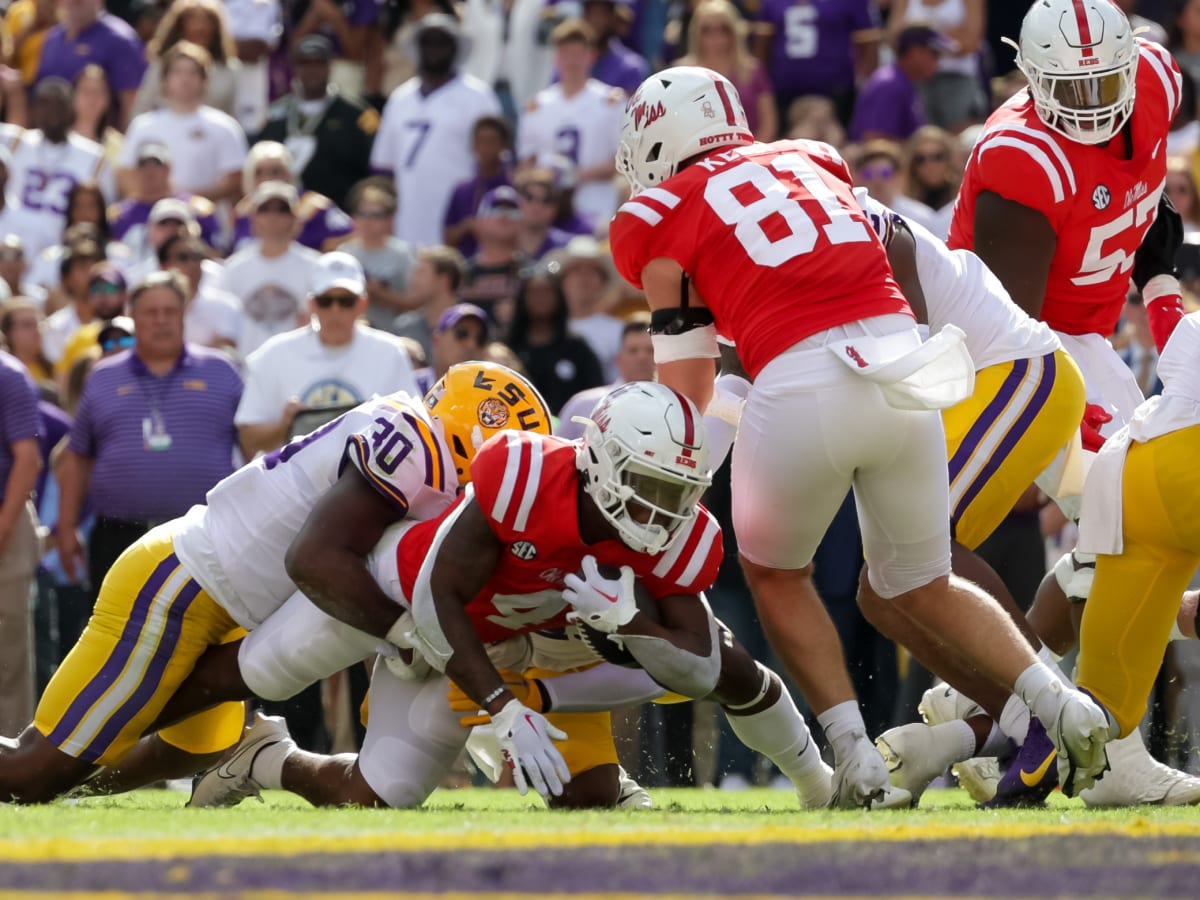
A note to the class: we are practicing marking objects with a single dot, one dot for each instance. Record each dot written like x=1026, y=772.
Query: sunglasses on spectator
x=345, y=301
x=545, y=199
x=118, y=342
x=921, y=158
x=884, y=171
x=104, y=287
x=276, y=208
x=185, y=257
x=373, y=214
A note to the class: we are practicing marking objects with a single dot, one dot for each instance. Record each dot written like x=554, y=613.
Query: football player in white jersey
x=49, y=160
x=579, y=118
x=424, y=137
x=305, y=515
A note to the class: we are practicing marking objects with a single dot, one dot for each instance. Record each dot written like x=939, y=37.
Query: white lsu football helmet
x=1081, y=60
x=674, y=115
x=645, y=462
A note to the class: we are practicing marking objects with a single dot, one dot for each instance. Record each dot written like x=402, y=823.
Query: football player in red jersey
x=767, y=245
x=520, y=553
x=1058, y=199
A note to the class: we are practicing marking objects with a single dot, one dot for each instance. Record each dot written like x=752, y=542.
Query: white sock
x=1051, y=659
x=844, y=727
x=958, y=737
x=996, y=743
x=779, y=734
x=267, y=768
x=1014, y=719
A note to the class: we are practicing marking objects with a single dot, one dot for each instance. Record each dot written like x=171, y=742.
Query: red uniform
x=773, y=240
x=528, y=487
x=1099, y=203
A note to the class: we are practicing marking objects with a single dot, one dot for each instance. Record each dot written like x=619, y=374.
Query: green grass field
x=494, y=844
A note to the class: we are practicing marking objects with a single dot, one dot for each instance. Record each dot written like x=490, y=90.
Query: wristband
x=494, y=695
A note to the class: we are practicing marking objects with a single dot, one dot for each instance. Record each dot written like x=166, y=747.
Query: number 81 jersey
x=772, y=239
x=1099, y=203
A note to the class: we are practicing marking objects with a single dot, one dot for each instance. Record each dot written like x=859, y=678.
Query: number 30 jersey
x=772, y=239
x=1099, y=204
x=234, y=546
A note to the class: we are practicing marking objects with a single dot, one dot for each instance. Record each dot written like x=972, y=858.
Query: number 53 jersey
x=235, y=544
x=772, y=239
x=1099, y=203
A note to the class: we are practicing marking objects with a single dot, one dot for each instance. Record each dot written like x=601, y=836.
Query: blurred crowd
x=179, y=177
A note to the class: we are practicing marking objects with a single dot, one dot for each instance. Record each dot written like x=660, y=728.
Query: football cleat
x=1135, y=778
x=979, y=777
x=1031, y=775
x=942, y=703
x=815, y=789
x=914, y=757
x=1079, y=729
x=861, y=781
x=229, y=783
x=630, y=794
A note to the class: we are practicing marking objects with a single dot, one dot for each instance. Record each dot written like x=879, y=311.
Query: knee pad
x=1075, y=573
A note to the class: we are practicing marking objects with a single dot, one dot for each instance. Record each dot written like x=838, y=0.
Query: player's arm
x=1154, y=271
x=902, y=254
x=328, y=558
x=1017, y=243
x=685, y=339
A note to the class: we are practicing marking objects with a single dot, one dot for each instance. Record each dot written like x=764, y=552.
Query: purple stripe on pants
x=153, y=677
x=1014, y=435
x=985, y=421
x=111, y=670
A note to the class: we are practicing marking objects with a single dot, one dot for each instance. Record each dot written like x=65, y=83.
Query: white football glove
x=603, y=603
x=526, y=742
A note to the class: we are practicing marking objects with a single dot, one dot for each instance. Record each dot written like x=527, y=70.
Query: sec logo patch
x=523, y=550
x=1101, y=197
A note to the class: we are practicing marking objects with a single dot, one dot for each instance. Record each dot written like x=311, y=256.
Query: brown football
x=598, y=641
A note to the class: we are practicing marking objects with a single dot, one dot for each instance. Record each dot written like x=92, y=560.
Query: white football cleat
x=229, y=783
x=914, y=757
x=630, y=794
x=942, y=703
x=1135, y=778
x=1079, y=729
x=979, y=777
x=815, y=790
x=861, y=781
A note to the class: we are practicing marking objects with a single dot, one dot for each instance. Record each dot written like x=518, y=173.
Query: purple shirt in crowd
x=109, y=42
x=887, y=105
x=812, y=51
x=464, y=203
x=621, y=67
x=55, y=425
x=138, y=473
x=320, y=220
x=131, y=214
x=19, y=419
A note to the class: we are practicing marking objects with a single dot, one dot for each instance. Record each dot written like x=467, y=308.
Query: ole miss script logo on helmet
x=646, y=114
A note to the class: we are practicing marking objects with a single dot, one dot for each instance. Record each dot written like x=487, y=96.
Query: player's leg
x=591, y=756
x=150, y=624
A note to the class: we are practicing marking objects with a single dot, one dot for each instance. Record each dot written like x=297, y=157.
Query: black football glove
x=1160, y=246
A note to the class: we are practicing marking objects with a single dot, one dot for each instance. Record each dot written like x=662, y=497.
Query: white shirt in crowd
x=57, y=329
x=586, y=129
x=603, y=334
x=297, y=364
x=425, y=141
x=35, y=232
x=254, y=20
x=211, y=315
x=205, y=145
x=43, y=174
x=273, y=291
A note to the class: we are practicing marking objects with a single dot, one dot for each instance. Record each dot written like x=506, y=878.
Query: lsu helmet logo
x=492, y=413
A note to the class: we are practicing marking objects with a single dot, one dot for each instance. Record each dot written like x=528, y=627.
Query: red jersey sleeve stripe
x=1167, y=72
x=667, y=561
x=1011, y=138
x=642, y=211
x=698, y=554
x=529, y=491
x=512, y=476
x=659, y=195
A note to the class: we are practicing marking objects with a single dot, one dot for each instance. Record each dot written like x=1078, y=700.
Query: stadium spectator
x=493, y=273
x=433, y=287
x=329, y=135
x=75, y=273
x=814, y=119
x=818, y=48
x=635, y=362
x=878, y=170
x=586, y=278
x=932, y=172
x=107, y=295
x=257, y=27
x=569, y=219
x=1183, y=36
x=331, y=363
x=154, y=431
x=1184, y=137
x=20, y=462
x=207, y=146
x=491, y=146
x=889, y=106
x=461, y=334
x=16, y=221
x=718, y=40
x=129, y=220
x=168, y=217
x=88, y=34
x=95, y=112
x=22, y=338
x=539, y=207
x=26, y=24
x=401, y=61
x=508, y=49
x=954, y=98
x=322, y=223
x=203, y=23
x=559, y=362
x=616, y=65
x=272, y=276
x=13, y=269
x=213, y=317
x=1181, y=188
x=424, y=137
x=580, y=118
x=386, y=260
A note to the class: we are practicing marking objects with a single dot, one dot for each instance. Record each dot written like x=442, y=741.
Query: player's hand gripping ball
x=604, y=598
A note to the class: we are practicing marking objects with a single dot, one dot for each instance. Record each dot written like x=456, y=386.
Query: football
x=598, y=641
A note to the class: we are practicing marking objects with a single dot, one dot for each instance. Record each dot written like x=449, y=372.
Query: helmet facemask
x=1089, y=109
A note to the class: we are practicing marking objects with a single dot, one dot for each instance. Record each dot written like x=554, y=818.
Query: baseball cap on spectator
x=500, y=202
x=923, y=36
x=338, y=272
x=584, y=250
x=106, y=275
x=460, y=311
x=315, y=46
x=561, y=166
x=171, y=209
x=116, y=333
x=153, y=151
x=274, y=190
